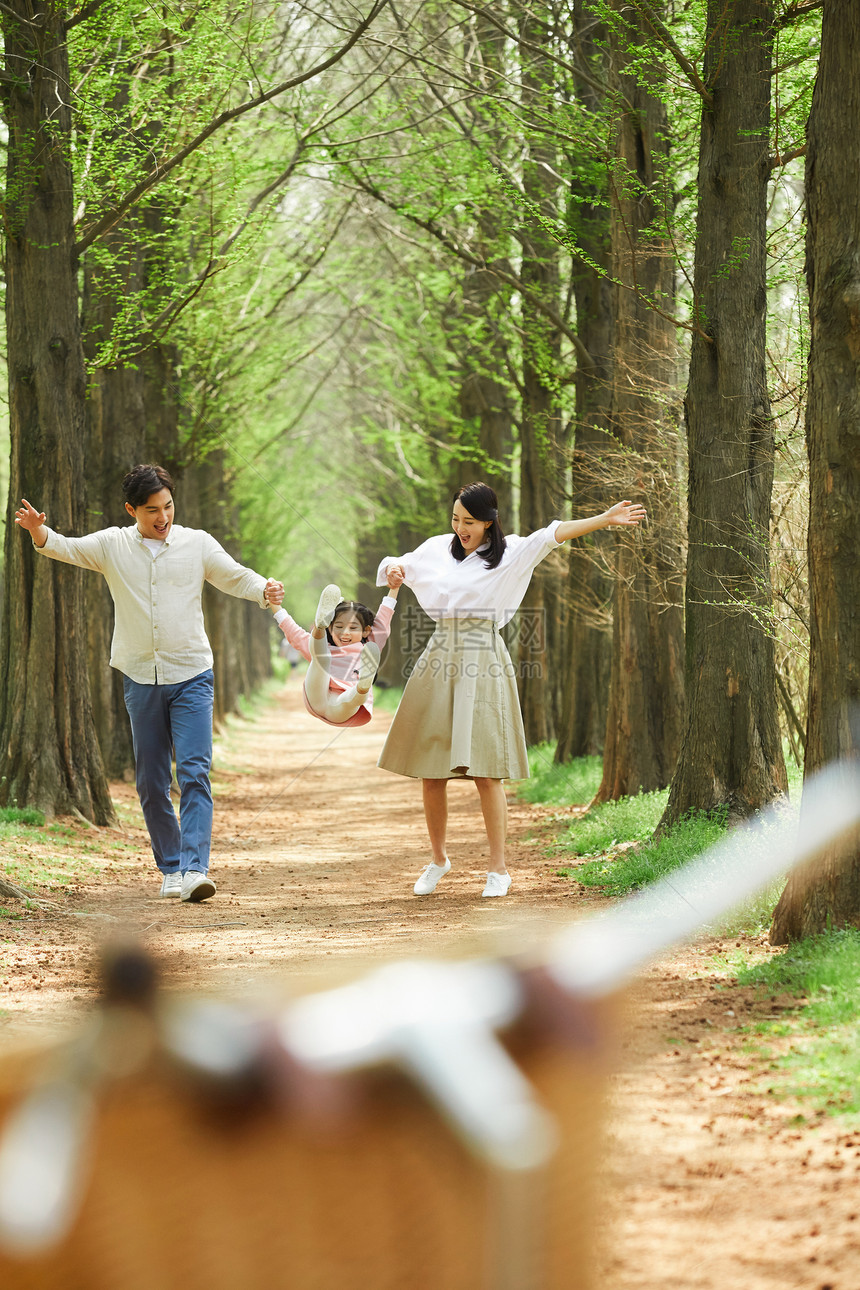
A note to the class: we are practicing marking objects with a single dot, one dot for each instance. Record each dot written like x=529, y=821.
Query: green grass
x=823, y=974
x=20, y=815
x=567, y=783
x=616, y=837
x=23, y=832
x=634, y=819
x=630, y=819
x=823, y=969
x=12, y=831
x=387, y=699
x=617, y=834
x=822, y=1064
x=632, y=858
x=54, y=871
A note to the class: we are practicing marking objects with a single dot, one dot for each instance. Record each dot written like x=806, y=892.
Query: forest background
x=326, y=264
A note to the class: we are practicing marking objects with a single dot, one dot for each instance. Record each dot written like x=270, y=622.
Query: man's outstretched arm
x=85, y=552
x=33, y=521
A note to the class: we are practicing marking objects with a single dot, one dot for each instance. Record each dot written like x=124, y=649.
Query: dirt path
x=712, y=1184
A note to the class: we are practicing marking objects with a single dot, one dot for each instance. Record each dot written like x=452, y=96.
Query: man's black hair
x=142, y=481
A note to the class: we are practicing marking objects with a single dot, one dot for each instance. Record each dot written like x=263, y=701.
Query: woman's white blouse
x=449, y=588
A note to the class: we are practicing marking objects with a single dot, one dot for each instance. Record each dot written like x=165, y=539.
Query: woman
x=460, y=715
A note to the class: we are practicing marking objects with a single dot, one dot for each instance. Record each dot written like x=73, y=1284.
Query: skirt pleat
x=460, y=712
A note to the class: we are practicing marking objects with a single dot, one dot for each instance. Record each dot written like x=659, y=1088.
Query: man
x=155, y=570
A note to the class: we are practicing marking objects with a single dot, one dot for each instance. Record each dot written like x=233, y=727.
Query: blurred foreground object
x=431, y=1124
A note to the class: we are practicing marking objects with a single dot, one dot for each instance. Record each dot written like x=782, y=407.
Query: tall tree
x=48, y=750
x=131, y=416
x=49, y=755
x=731, y=754
x=827, y=893
x=646, y=694
x=240, y=636
x=485, y=394
x=587, y=649
x=540, y=625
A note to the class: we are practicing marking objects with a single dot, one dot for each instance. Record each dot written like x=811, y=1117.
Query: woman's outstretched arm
x=621, y=515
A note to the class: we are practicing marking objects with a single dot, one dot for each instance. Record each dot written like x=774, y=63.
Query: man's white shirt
x=159, y=637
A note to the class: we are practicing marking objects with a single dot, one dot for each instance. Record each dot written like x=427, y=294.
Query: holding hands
x=273, y=593
x=395, y=574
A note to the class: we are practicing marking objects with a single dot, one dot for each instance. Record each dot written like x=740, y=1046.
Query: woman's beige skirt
x=460, y=712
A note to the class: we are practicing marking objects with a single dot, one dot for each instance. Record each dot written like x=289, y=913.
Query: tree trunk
x=132, y=417
x=646, y=693
x=231, y=629
x=540, y=620
x=582, y=723
x=49, y=754
x=732, y=753
x=484, y=396
x=485, y=399
x=827, y=892
x=115, y=441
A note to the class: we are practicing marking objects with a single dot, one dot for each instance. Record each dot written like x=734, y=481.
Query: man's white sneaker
x=368, y=665
x=171, y=884
x=429, y=877
x=197, y=886
x=330, y=598
x=498, y=884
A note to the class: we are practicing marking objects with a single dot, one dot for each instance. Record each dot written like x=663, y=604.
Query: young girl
x=343, y=650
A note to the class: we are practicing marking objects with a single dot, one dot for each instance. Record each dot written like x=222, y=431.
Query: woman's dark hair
x=142, y=481
x=482, y=504
x=364, y=615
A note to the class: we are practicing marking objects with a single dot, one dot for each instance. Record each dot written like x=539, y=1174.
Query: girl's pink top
x=344, y=658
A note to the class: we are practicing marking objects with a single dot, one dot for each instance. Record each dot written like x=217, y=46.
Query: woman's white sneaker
x=498, y=884
x=429, y=878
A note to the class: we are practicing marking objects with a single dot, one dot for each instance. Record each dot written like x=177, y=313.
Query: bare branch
x=283, y=432
x=82, y=14
x=478, y=262
x=662, y=32
x=37, y=22
x=579, y=71
x=783, y=158
x=789, y=709
x=800, y=9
